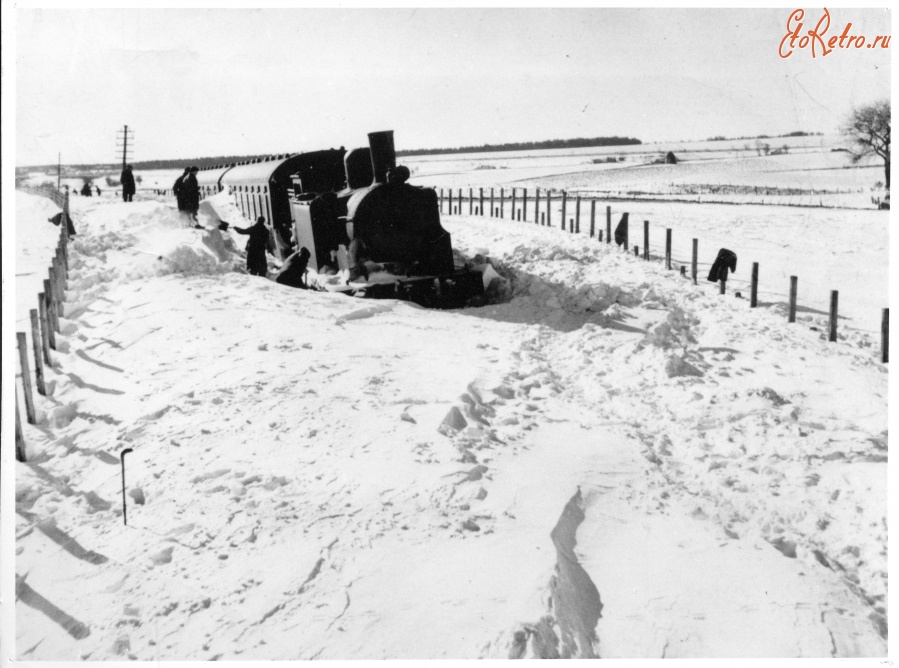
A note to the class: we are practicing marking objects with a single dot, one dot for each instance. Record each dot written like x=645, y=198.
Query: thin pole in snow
x=791, y=316
x=36, y=347
x=608, y=224
x=646, y=240
x=695, y=258
x=723, y=280
x=592, y=218
x=45, y=327
x=834, y=298
x=20, y=437
x=577, y=215
x=754, y=287
x=26, y=377
x=668, y=248
x=885, y=336
x=124, y=503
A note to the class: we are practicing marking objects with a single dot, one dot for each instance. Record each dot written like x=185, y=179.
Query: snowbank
x=608, y=462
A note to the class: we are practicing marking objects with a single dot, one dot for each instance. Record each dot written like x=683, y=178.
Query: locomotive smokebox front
x=395, y=222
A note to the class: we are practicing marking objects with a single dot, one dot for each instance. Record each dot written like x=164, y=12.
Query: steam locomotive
x=335, y=200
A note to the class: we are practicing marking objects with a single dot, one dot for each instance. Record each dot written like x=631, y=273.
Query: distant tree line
x=228, y=159
x=579, y=142
x=795, y=133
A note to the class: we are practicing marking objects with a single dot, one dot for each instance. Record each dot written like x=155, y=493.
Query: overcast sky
x=204, y=82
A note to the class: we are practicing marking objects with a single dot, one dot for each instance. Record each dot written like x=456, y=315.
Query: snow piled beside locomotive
x=352, y=222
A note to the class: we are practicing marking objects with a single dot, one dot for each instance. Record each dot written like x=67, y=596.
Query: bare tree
x=869, y=128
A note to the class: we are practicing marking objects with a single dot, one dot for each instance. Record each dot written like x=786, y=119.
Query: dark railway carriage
x=209, y=179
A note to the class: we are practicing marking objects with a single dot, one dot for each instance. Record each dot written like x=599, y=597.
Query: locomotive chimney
x=383, y=157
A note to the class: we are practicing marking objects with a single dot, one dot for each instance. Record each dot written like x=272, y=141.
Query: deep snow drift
x=613, y=463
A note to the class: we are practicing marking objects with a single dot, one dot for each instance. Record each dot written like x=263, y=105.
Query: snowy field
x=612, y=463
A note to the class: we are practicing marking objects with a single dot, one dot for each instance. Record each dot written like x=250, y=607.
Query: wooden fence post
x=608, y=224
x=543, y=218
x=524, y=205
x=577, y=215
x=63, y=272
x=723, y=280
x=754, y=286
x=53, y=306
x=60, y=290
x=549, y=208
x=20, y=437
x=636, y=250
x=695, y=259
x=470, y=201
x=450, y=201
x=668, y=248
x=885, y=336
x=36, y=346
x=26, y=377
x=65, y=229
x=461, y=199
x=646, y=240
x=592, y=218
x=502, y=201
x=440, y=200
x=45, y=326
x=513, y=204
x=791, y=316
x=537, y=206
x=564, y=203
x=834, y=297
x=492, y=207
x=481, y=201
x=51, y=314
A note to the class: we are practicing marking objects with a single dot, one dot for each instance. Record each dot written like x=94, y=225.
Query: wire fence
x=585, y=215
x=44, y=319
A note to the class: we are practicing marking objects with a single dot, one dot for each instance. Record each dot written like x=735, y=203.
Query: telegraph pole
x=122, y=142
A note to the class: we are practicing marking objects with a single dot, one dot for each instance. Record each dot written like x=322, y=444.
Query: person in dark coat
x=128, y=187
x=256, y=263
x=293, y=273
x=621, y=231
x=86, y=190
x=726, y=259
x=57, y=219
x=98, y=190
x=190, y=194
x=178, y=189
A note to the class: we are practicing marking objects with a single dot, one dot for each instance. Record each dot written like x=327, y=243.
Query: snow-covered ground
x=612, y=463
